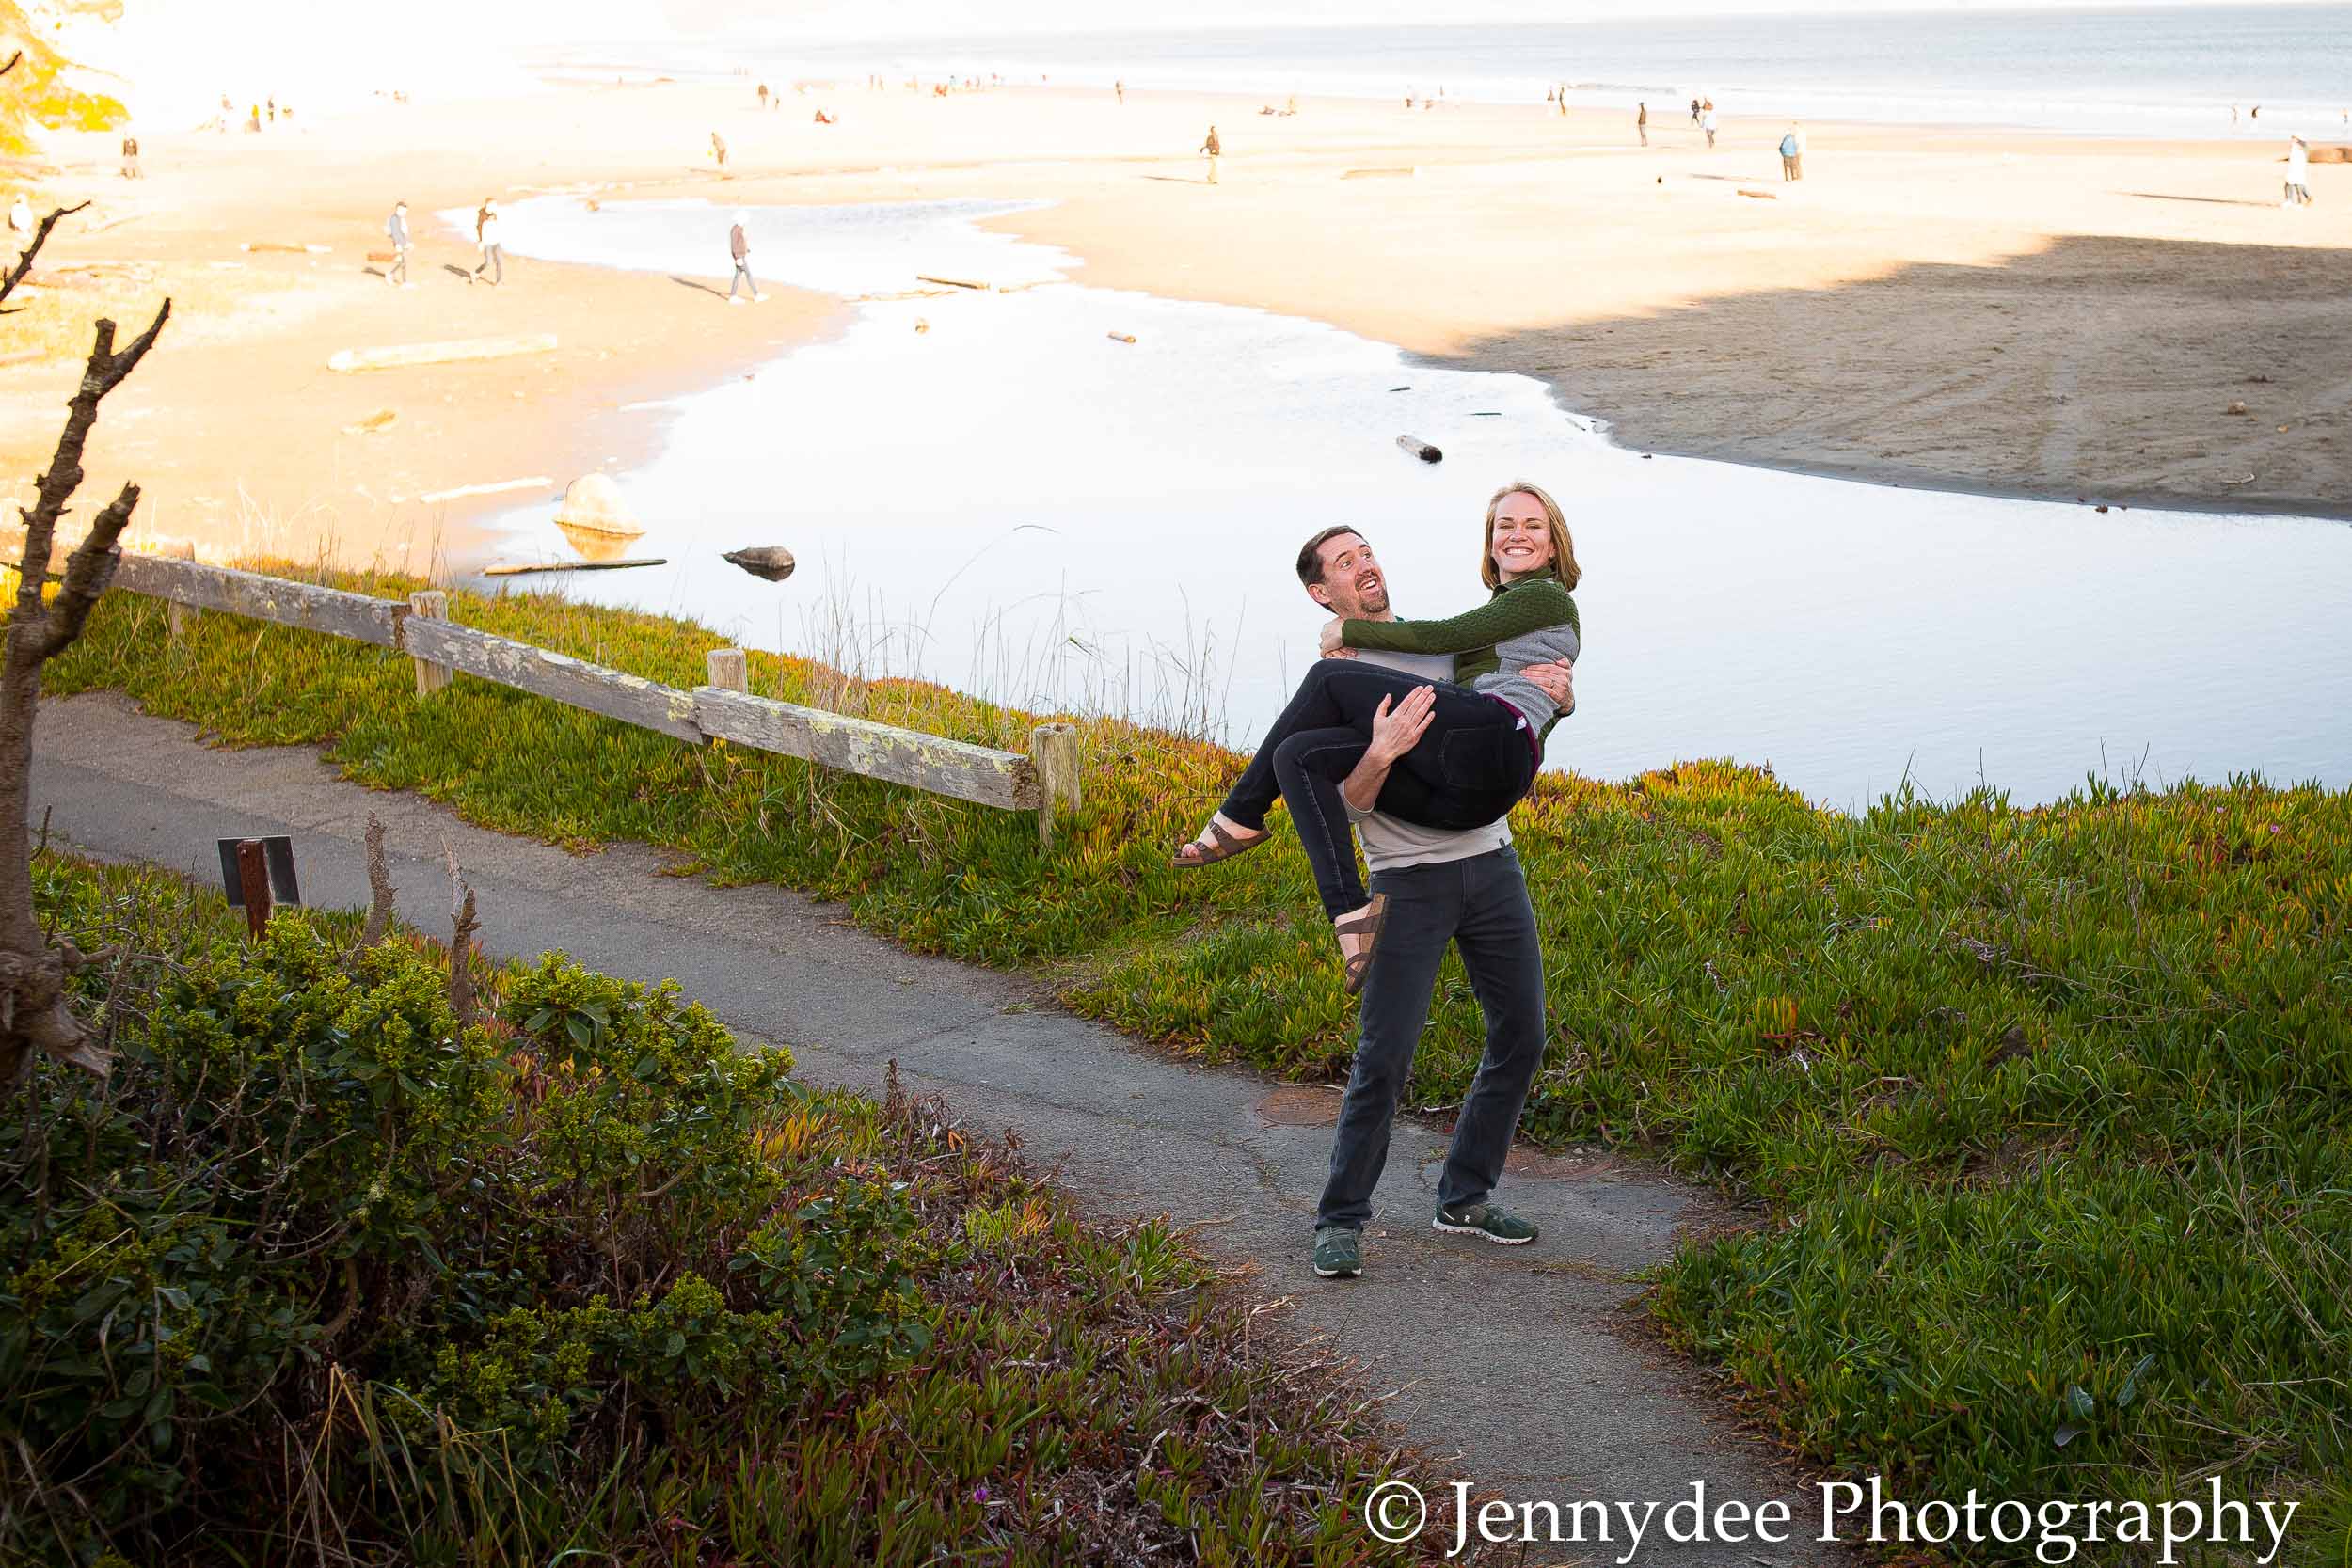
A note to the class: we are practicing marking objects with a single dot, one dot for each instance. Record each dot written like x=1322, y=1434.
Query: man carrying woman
x=1484, y=740
x=1457, y=885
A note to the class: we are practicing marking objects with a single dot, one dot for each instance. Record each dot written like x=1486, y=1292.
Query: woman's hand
x=1331, y=637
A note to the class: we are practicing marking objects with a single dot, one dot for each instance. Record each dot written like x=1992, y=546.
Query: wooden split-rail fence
x=1046, y=781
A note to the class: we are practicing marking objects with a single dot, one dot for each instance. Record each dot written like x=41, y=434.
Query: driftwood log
x=497, y=486
x=398, y=355
x=1421, y=449
x=525, y=568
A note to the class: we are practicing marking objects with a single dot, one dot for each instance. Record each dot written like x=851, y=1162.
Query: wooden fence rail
x=1046, y=782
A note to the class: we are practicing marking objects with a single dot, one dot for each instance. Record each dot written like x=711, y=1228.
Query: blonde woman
x=1483, y=735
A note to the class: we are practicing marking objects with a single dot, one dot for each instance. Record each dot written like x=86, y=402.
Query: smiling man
x=1445, y=886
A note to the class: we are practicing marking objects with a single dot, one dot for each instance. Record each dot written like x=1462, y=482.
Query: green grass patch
x=2048, y=1106
x=323, y=1275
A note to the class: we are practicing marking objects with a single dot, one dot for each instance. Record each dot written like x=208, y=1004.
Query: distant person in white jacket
x=2299, y=191
x=1707, y=124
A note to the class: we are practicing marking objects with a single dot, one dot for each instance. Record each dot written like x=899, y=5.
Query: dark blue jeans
x=1481, y=906
x=1470, y=767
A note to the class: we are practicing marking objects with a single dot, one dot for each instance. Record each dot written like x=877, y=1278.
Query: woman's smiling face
x=1520, y=539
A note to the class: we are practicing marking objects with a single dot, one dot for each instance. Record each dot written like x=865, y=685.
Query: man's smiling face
x=1352, y=587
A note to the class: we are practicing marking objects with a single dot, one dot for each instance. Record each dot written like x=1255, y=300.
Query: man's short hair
x=1310, y=554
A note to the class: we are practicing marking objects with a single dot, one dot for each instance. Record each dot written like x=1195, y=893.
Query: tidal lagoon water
x=1012, y=502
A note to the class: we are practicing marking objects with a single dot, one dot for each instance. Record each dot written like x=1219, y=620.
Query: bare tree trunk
x=379, y=887
x=33, y=1011
x=462, y=927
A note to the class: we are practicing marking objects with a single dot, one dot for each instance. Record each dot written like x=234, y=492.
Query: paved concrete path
x=1517, y=1363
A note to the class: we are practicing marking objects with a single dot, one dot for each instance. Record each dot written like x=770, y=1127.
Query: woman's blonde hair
x=1563, y=549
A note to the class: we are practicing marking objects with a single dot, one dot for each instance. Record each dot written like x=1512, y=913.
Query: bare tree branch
x=128, y=360
x=41, y=237
x=35, y=1014
x=13, y=60
x=103, y=374
x=87, y=571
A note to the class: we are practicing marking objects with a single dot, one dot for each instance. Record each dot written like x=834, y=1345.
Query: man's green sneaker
x=1498, y=1226
x=1338, y=1255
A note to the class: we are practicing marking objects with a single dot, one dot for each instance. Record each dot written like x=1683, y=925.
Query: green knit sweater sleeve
x=1519, y=609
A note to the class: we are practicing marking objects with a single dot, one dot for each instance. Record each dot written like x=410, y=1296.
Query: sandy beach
x=2033, y=313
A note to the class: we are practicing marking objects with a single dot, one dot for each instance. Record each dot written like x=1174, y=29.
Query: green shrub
x=321, y=1274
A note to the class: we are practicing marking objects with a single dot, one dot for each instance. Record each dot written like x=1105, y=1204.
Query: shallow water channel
x=1013, y=503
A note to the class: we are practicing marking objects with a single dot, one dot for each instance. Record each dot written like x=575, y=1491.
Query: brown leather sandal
x=1215, y=843
x=1367, y=920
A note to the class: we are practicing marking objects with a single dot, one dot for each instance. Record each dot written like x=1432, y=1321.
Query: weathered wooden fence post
x=178, y=617
x=730, y=669
x=253, y=882
x=1055, y=749
x=430, y=603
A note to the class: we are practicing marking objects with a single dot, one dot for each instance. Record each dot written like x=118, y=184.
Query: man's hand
x=1331, y=643
x=1557, y=682
x=1398, y=730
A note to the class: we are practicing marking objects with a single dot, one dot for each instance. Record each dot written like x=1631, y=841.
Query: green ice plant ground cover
x=2044, y=1110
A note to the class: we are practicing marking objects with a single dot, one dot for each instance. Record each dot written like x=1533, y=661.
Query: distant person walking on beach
x=486, y=234
x=21, y=220
x=131, y=158
x=1118, y=90
x=1214, y=149
x=2299, y=174
x=396, y=229
x=1694, y=111
x=1789, y=154
x=763, y=95
x=1707, y=124
x=719, y=149
x=740, y=247
x=1641, y=125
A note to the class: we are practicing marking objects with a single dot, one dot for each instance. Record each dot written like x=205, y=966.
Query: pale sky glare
x=179, y=56
x=887, y=17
